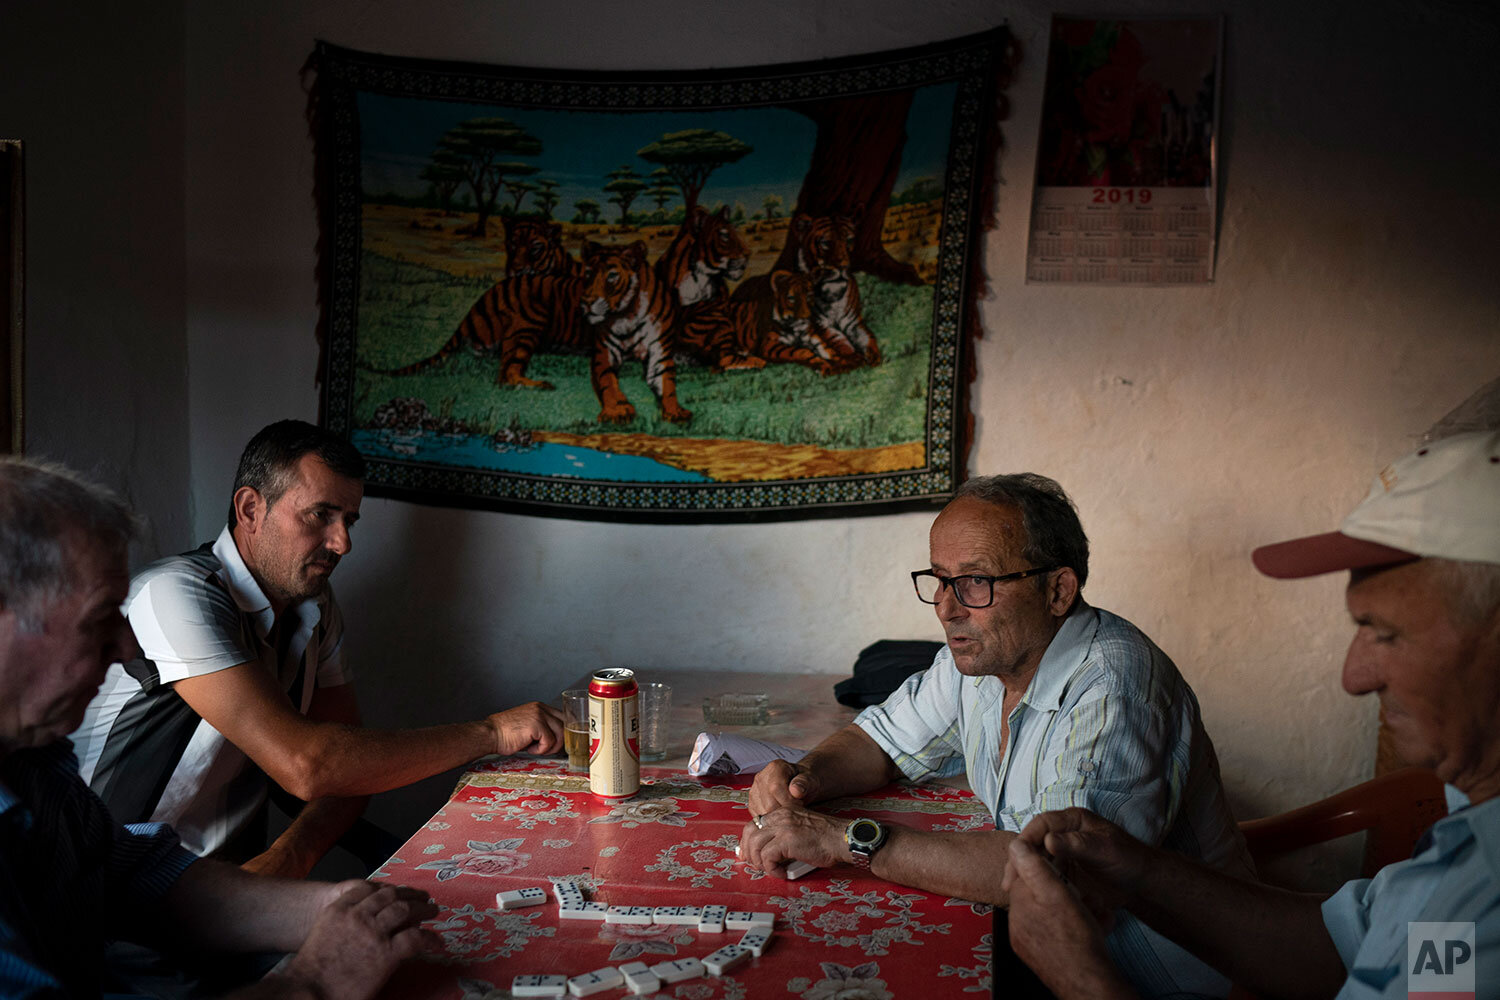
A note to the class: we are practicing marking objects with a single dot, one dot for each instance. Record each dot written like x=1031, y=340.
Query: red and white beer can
x=614, y=735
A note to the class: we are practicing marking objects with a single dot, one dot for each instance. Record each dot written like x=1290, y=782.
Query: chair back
x=1396, y=808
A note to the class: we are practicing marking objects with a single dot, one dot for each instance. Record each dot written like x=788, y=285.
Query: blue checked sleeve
x=918, y=725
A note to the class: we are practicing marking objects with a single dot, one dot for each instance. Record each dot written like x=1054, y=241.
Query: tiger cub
x=767, y=319
x=534, y=306
x=631, y=314
x=821, y=250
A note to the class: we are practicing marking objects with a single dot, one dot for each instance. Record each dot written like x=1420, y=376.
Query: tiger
x=518, y=315
x=534, y=248
x=705, y=254
x=820, y=249
x=632, y=315
x=767, y=319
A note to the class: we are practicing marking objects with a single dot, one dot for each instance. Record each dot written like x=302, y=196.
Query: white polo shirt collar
x=248, y=596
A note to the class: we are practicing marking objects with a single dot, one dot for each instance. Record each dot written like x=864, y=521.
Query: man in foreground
x=1423, y=551
x=70, y=876
x=1045, y=702
x=243, y=672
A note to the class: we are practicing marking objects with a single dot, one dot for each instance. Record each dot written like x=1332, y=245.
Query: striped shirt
x=143, y=749
x=71, y=878
x=1107, y=724
x=1453, y=877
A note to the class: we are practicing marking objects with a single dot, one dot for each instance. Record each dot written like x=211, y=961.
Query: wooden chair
x=1396, y=808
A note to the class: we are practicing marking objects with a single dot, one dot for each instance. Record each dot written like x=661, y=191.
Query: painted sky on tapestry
x=726, y=295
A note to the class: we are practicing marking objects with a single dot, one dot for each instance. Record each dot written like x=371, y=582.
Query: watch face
x=865, y=832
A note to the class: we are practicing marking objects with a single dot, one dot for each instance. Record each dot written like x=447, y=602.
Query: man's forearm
x=963, y=865
x=312, y=833
x=220, y=907
x=847, y=763
x=1269, y=940
x=342, y=761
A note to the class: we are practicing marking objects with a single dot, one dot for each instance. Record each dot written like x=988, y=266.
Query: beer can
x=614, y=735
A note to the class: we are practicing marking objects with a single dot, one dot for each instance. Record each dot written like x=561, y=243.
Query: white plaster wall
x=1355, y=302
x=94, y=91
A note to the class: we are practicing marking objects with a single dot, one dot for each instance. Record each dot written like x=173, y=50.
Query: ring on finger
x=757, y=821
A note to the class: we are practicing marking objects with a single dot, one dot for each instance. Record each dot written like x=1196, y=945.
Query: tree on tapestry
x=691, y=155
x=547, y=196
x=624, y=184
x=445, y=173
x=475, y=147
x=519, y=190
x=587, y=210
x=662, y=190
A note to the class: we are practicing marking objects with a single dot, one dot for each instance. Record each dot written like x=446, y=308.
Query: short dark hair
x=1054, y=535
x=47, y=514
x=267, y=463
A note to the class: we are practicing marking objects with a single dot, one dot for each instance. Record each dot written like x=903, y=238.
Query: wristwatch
x=864, y=837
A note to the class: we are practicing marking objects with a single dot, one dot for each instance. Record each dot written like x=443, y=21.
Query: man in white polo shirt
x=243, y=676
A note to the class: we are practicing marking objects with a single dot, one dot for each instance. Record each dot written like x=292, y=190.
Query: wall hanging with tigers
x=681, y=296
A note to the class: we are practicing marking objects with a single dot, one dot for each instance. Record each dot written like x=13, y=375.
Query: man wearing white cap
x=1423, y=551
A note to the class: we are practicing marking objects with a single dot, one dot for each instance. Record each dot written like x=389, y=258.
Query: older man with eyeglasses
x=1044, y=701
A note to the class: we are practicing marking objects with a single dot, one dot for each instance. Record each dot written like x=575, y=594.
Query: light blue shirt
x=1107, y=724
x=1454, y=877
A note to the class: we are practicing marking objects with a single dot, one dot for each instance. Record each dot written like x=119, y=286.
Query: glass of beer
x=576, y=727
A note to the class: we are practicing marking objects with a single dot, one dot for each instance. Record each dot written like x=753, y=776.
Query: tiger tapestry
x=668, y=296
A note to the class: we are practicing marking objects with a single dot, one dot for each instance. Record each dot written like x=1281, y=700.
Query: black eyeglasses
x=972, y=591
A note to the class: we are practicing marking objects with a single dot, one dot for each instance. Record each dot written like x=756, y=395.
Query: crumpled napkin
x=722, y=753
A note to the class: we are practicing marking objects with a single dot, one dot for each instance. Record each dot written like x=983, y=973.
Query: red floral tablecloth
x=840, y=934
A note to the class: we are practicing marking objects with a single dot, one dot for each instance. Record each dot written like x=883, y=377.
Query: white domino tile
x=599, y=980
x=678, y=970
x=797, y=869
x=566, y=891
x=726, y=958
x=712, y=920
x=757, y=939
x=629, y=915
x=517, y=898
x=639, y=978
x=539, y=986
x=743, y=920
x=686, y=915
x=584, y=911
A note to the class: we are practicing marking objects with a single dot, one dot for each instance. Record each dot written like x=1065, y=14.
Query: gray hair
x=1473, y=588
x=48, y=516
x=268, y=461
x=1054, y=536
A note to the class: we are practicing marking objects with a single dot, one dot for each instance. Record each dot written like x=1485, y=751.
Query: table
x=514, y=822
